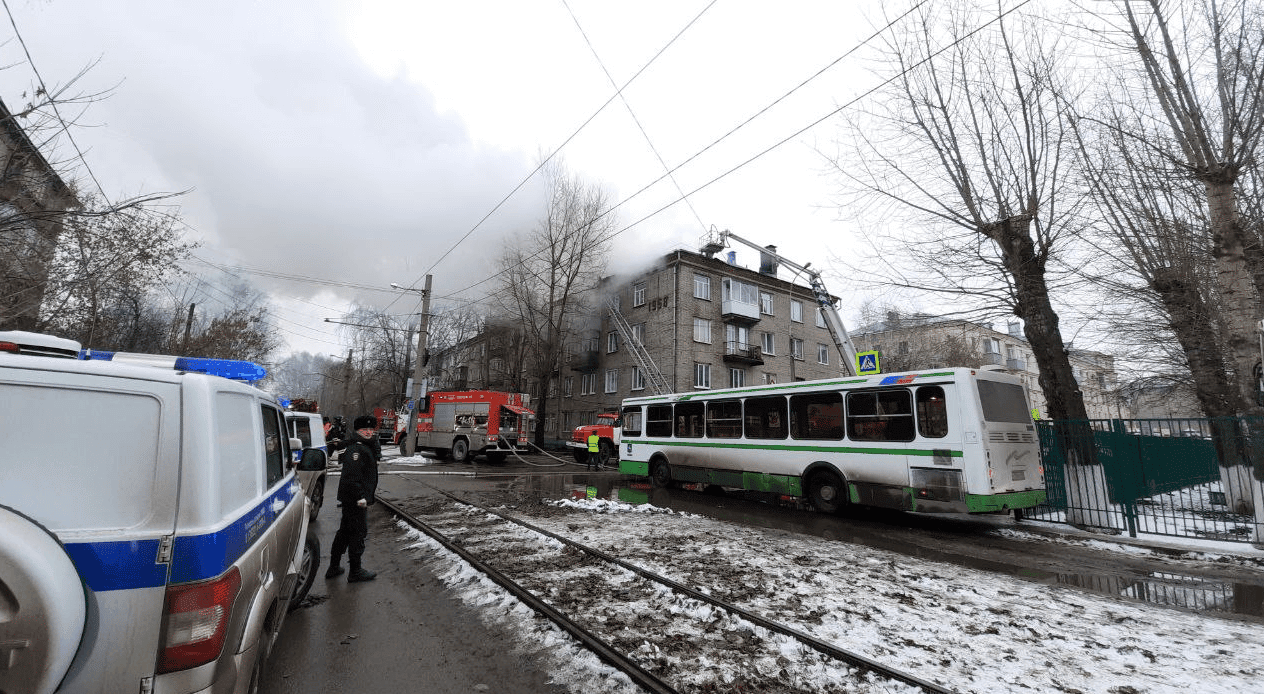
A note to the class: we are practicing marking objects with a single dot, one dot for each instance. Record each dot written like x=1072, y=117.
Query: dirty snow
x=969, y=630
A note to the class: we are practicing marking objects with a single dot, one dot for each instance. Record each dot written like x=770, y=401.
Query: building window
x=769, y=379
x=568, y=386
x=612, y=342
x=737, y=378
x=904, y=348
x=702, y=330
x=566, y=421
x=588, y=384
x=590, y=343
x=638, y=295
x=701, y=375
x=765, y=303
x=740, y=292
x=638, y=378
x=702, y=287
x=822, y=353
x=638, y=333
x=991, y=346
x=796, y=310
x=768, y=342
x=612, y=380
x=796, y=348
x=820, y=318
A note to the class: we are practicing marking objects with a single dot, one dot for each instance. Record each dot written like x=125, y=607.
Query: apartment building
x=706, y=322
x=920, y=341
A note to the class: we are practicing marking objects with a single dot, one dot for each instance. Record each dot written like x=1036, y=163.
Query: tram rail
x=868, y=672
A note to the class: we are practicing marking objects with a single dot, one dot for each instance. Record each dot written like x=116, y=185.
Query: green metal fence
x=1158, y=476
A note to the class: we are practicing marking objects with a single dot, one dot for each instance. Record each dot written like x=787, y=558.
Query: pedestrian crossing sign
x=867, y=364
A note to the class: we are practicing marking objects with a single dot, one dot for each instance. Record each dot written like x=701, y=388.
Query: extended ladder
x=642, y=356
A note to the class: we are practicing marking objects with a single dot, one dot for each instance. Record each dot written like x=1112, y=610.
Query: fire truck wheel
x=460, y=451
x=581, y=455
x=496, y=458
x=607, y=453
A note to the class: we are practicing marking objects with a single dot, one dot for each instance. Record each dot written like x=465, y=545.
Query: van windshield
x=1003, y=402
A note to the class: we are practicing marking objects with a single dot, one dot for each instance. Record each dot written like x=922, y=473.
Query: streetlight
x=410, y=440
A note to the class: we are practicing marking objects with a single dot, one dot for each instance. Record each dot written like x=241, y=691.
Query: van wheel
x=460, y=451
x=827, y=492
x=316, y=499
x=660, y=474
x=308, y=566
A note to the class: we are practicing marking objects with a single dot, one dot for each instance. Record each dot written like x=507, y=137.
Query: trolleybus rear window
x=1003, y=402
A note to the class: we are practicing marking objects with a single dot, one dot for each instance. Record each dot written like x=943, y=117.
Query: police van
x=156, y=546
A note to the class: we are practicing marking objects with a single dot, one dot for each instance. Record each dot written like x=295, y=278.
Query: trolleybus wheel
x=460, y=451
x=660, y=473
x=826, y=491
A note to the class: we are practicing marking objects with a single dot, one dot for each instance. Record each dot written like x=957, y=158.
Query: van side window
x=274, y=448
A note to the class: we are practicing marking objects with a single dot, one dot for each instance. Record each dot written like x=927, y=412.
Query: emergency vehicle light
x=235, y=369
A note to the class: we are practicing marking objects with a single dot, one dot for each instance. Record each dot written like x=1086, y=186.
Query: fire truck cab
x=607, y=428
x=462, y=424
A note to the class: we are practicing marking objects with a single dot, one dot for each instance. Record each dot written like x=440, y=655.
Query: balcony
x=1016, y=364
x=742, y=353
x=733, y=310
x=992, y=358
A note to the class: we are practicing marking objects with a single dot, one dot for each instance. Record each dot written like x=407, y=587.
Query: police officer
x=356, y=491
x=594, y=452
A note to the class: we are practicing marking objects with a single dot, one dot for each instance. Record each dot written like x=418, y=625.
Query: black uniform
x=359, y=481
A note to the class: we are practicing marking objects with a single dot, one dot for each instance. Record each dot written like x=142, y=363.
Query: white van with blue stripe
x=156, y=544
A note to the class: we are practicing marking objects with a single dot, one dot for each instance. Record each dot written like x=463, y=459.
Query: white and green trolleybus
x=947, y=440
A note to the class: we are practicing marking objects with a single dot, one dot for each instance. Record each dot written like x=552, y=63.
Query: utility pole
x=346, y=388
x=188, y=327
x=410, y=436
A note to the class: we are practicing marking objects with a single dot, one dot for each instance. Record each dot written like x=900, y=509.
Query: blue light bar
x=235, y=369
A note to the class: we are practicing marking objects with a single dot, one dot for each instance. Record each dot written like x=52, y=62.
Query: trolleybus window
x=932, y=412
x=880, y=415
x=1003, y=402
x=766, y=417
x=724, y=419
x=817, y=416
x=689, y=420
x=632, y=421
x=658, y=421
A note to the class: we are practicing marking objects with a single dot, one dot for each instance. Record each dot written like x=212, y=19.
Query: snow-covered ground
x=967, y=629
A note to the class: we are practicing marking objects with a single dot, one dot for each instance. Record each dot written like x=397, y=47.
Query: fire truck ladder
x=643, y=358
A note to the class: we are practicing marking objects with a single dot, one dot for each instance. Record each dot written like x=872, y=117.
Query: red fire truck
x=607, y=428
x=387, y=431
x=462, y=424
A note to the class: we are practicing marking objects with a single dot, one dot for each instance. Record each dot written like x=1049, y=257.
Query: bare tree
x=972, y=150
x=1199, y=114
x=545, y=273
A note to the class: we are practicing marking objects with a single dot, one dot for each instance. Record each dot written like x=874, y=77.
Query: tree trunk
x=1236, y=284
x=1040, y=321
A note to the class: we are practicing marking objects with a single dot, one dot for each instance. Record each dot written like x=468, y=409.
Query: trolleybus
x=947, y=440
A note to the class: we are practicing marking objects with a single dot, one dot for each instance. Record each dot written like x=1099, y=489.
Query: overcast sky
x=358, y=142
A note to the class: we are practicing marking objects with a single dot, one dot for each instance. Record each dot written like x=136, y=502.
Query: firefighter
x=356, y=491
x=594, y=452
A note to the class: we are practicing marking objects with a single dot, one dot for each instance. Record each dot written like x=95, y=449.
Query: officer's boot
x=335, y=559
x=359, y=573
